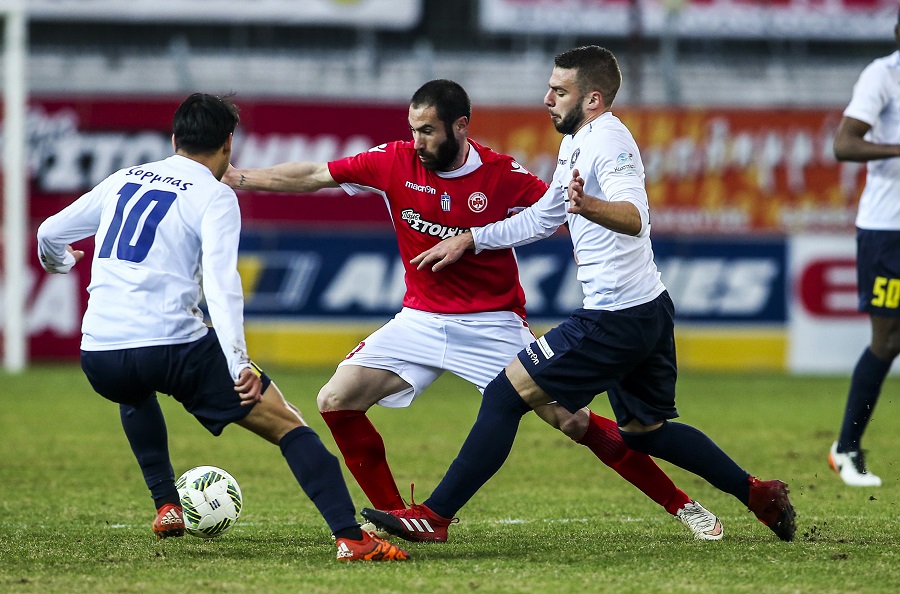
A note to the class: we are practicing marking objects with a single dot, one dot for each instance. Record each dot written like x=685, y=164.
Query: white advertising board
x=826, y=333
x=748, y=19
x=380, y=14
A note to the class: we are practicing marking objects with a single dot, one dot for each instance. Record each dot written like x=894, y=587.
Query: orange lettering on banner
x=713, y=170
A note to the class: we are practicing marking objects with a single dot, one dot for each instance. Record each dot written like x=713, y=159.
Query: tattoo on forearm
x=243, y=179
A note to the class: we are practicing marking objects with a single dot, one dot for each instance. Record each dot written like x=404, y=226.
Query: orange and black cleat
x=370, y=548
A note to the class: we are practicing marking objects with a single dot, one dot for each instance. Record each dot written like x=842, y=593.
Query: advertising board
x=788, y=19
x=826, y=333
x=730, y=189
x=387, y=14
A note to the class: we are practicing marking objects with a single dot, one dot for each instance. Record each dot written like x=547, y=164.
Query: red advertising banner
x=75, y=144
x=55, y=304
x=709, y=172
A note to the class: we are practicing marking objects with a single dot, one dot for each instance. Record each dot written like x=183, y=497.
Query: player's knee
x=573, y=425
x=329, y=399
x=271, y=419
x=278, y=426
x=355, y=395
x=885, y=338
x=891, y=348
x=501, y=395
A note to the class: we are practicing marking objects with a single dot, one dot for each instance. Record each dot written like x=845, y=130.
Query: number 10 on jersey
x=134, y=239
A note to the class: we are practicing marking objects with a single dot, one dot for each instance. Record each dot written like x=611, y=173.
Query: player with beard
x=621, y=342
x=469, y=321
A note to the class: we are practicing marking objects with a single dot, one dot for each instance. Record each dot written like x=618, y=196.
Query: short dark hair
x=448, y=98
x=597, y=69
x=203, y=122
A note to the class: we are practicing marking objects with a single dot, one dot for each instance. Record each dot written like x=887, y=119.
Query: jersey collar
x=473, y=162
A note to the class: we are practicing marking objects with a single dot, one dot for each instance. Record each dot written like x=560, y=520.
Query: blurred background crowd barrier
x=733, y=103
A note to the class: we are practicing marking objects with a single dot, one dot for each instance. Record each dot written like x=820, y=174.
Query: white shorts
x=419, y=346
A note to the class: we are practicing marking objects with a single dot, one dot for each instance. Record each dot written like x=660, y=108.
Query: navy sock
x=319, y=474
x=690, y=449
x=145, y=428
x=485, y=449
x=865, y=387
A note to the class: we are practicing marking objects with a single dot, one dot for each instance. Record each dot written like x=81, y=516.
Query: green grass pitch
x=75, y=515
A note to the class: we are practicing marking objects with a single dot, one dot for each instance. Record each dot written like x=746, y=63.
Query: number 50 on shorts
x=886, y=292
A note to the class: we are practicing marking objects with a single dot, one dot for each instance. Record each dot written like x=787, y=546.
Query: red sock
x=364, y=455
x=637, y=468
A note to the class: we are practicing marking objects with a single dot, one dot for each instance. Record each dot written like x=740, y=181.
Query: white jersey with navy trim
x=876, y=101
x=616, y=271
x=156, y=227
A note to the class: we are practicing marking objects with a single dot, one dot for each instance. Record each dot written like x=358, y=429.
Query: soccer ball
x=211, y=500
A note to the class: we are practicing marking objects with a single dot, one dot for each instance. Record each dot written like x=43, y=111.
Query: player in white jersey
x=870, y=131
x=468, y=321
x=159, y=228
x=621, y=342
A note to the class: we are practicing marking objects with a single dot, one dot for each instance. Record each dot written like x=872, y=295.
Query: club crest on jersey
x=574, y=158
x=477, y=202
x=445, y=202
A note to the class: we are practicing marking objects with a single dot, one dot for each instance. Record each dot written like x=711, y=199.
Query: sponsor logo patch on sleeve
x=625, y=163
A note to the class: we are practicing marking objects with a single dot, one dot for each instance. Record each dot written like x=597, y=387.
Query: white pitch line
x=564, y=520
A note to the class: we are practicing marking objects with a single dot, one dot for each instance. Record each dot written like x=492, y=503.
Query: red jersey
x=428, y=206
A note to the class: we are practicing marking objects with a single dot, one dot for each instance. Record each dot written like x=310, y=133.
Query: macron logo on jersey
x=545, y=349
x=378, y=149
x=418, y=188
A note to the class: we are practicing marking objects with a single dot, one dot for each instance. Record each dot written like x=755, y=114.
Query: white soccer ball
x=211, y=500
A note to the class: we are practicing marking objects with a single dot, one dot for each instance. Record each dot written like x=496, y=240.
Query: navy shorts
x=195, y=374
x=878, y=272
x=630, y=354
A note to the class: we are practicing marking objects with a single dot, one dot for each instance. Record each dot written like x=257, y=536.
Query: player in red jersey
x=469, y=321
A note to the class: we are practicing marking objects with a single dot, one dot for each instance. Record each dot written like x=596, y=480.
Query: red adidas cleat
x=769, y=501
x=417, y=523
x=169, y=521
x=370, y=548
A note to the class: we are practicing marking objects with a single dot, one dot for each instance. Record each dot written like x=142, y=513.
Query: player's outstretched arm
x=298, y=177
x=445, y=253
x=621, y=217
x=850, y=144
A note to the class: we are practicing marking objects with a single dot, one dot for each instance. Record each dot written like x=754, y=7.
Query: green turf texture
x=75, y=515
